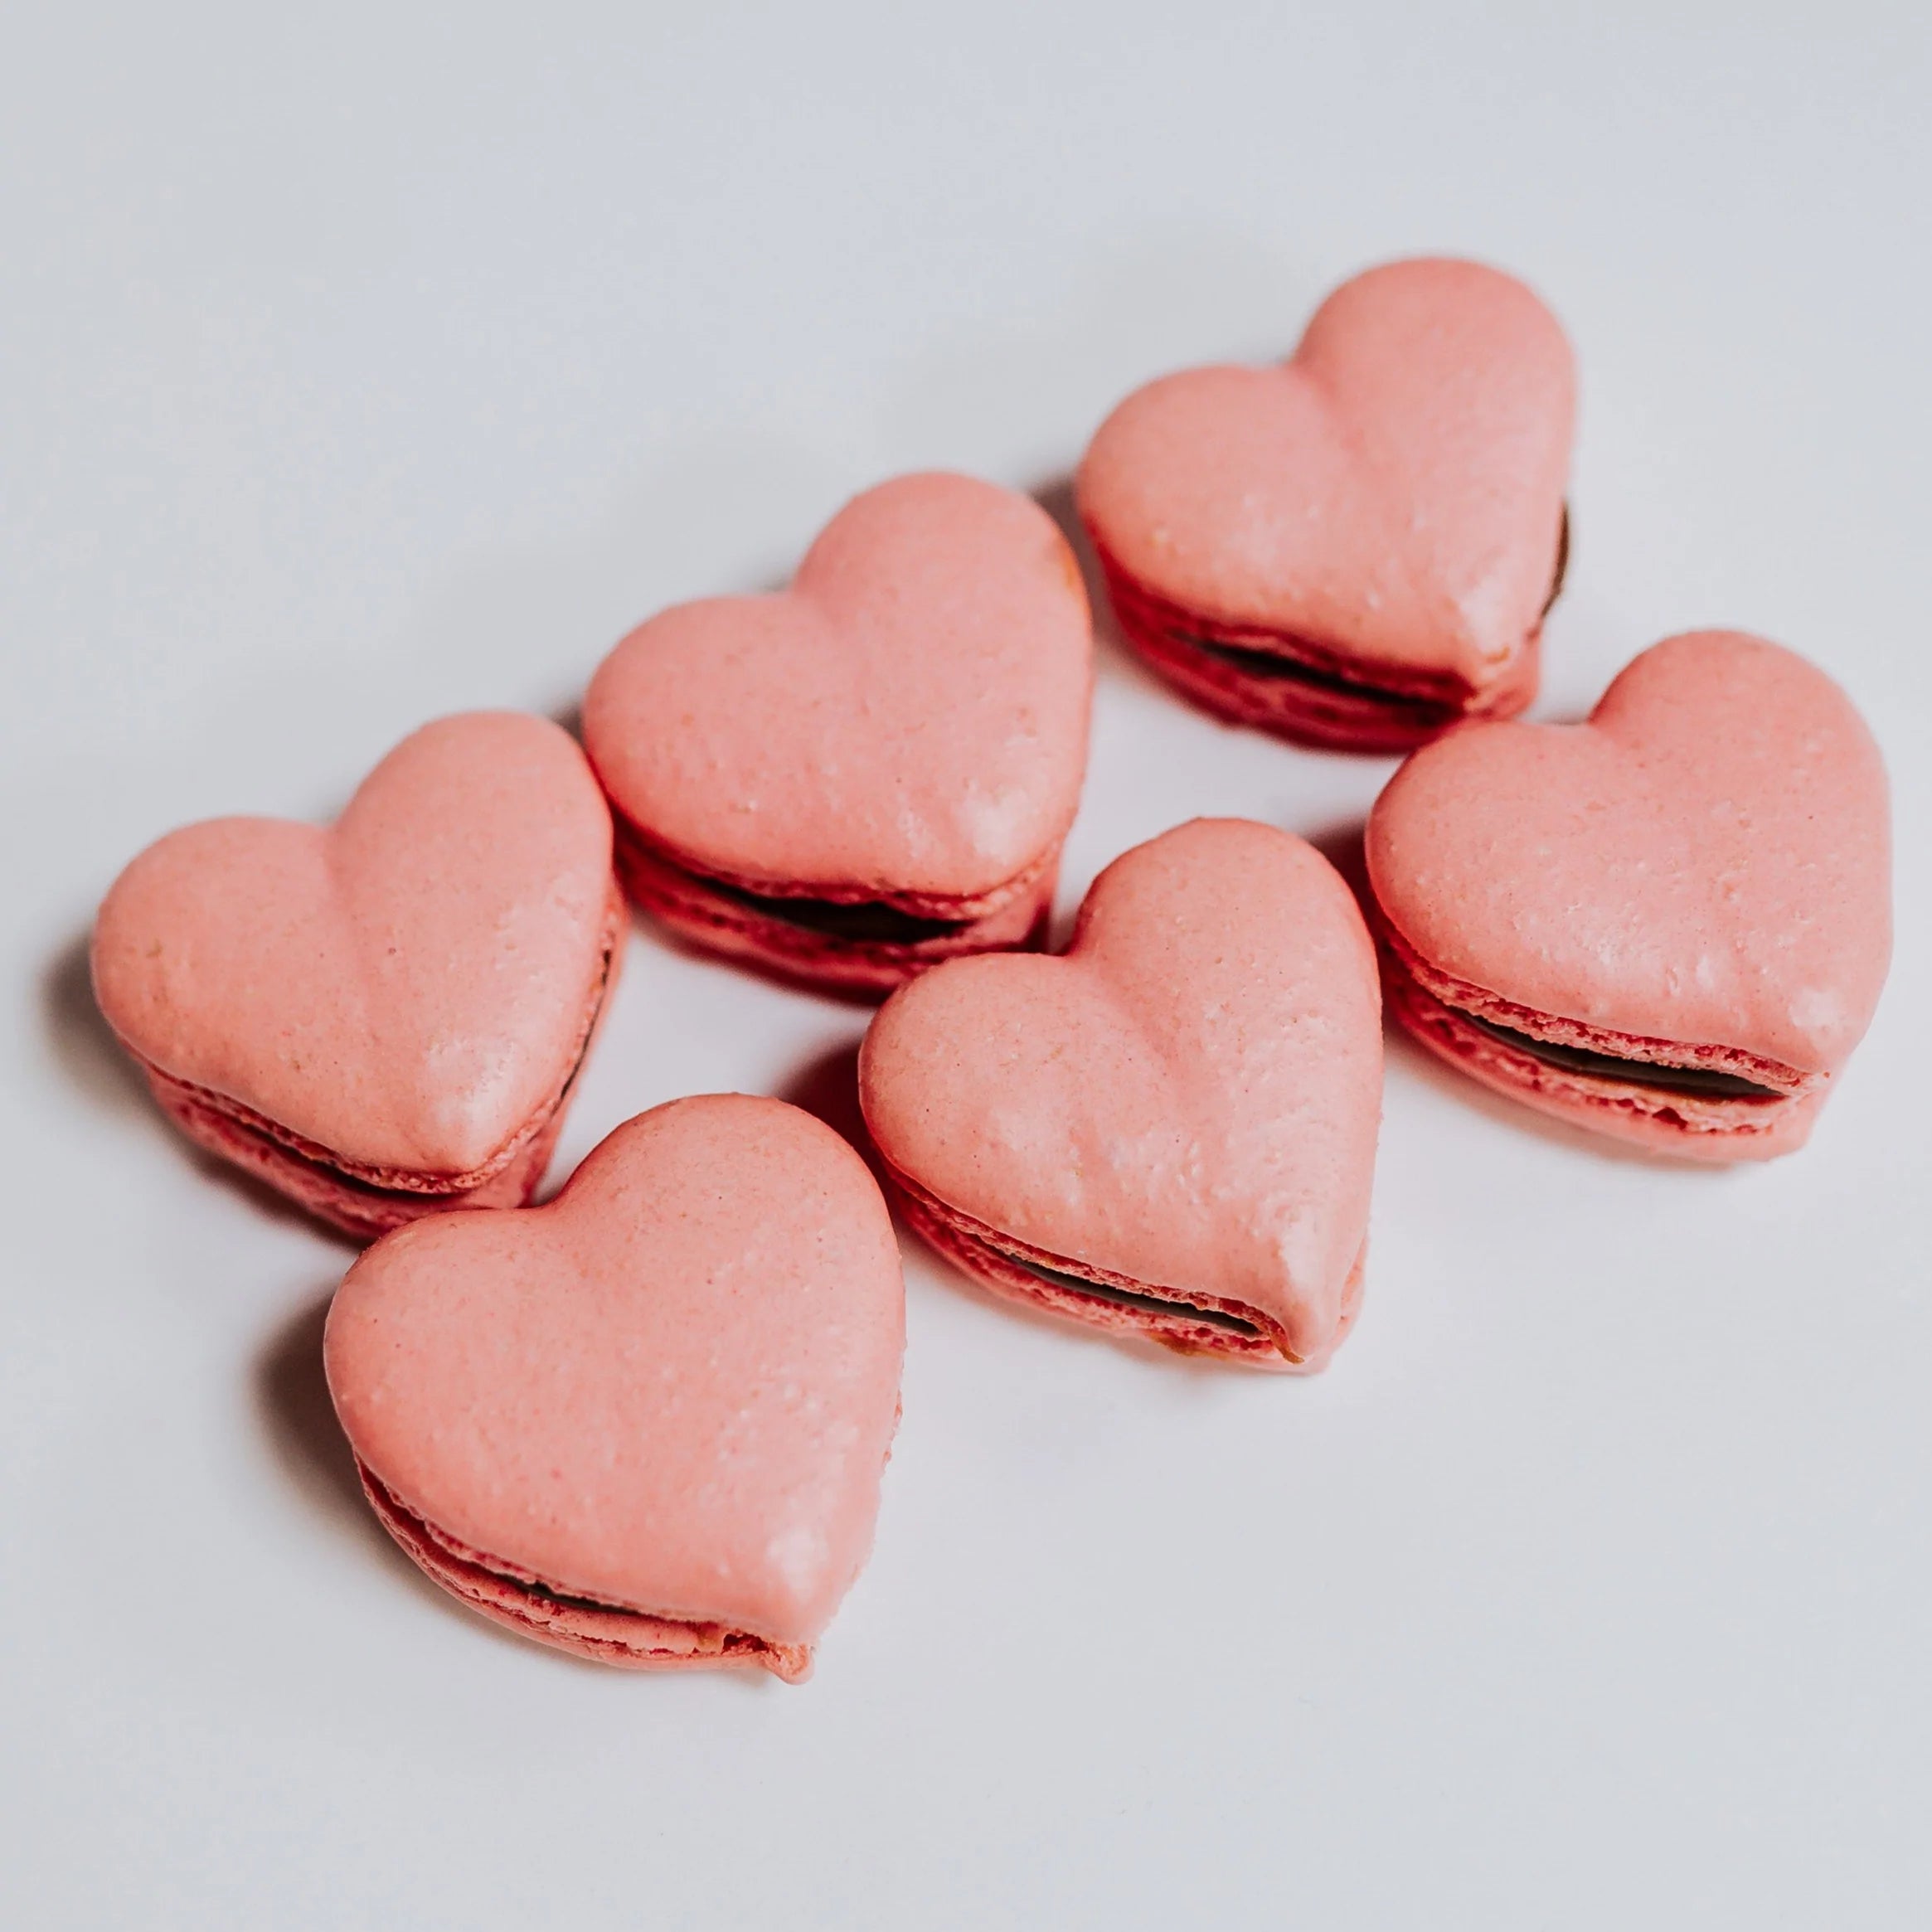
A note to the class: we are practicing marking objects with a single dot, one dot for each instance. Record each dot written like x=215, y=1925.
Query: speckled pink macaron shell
x=672, y=1390
x=911, y=715
x=1394, y=492
x=404, y=989
x=1188, y=1097
x=1707, y=860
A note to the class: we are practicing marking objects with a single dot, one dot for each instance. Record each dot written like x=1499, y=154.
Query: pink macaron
x=381, y=1018
x=874, y=770
x=1669, y=924
x=1355, y=548
x=1169, y=1132
x=645, y=1423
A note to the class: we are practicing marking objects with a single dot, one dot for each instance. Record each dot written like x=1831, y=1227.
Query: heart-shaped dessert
x=1671, y=922
x=874, y=770
x=1355, y=548
x=1171, y=1130
x=646, y=1422
x=382, y=1019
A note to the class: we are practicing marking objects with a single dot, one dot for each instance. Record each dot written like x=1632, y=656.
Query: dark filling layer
x=729, y=1642
x=1562, y=569
x=870, y=922
x=1125, y=1298
x=1637, y=1073
x=1275, y=664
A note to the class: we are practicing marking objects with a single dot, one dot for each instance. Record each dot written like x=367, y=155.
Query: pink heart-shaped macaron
x=874, y=769
x=384, y=1016
x=1170, y=1130
x=1670, y=923
x=645, y=1423
x=1380, y=515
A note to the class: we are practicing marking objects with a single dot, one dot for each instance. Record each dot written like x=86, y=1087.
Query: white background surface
x=396, y=365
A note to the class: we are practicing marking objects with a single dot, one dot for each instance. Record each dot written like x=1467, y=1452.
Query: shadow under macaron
x=1112, y=658
x=827, y=1087
x=81, y=1041
x=96, y=1063
x=1344, y=846
x=299, y=1419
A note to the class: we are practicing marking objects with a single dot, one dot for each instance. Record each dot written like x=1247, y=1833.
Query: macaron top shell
x=1393, y=491
x=1707, y=860
x=404, y=989
x=911, y=715
x=1188, y=1097
x=671, y=1389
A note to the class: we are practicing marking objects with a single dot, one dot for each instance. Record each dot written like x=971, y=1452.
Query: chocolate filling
x=1707, y=1082
x=870, y=922
x=1152, y=1304
x=1274, y=664
x=711, y=1638
x=1562, y=566
x=1423, y=710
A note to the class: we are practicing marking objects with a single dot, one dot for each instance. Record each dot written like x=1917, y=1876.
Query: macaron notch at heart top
x=872, y=770
x=1169, y=1132
x=645, y=1423
x=382, y=1017
x=1355, y=548
x=1670, y=924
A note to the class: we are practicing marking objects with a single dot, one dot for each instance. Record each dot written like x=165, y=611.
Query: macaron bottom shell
x=362, y=1208
x=864, y=946
x=606, y=1633
x=1662, y=1119
x=1058, y=1285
